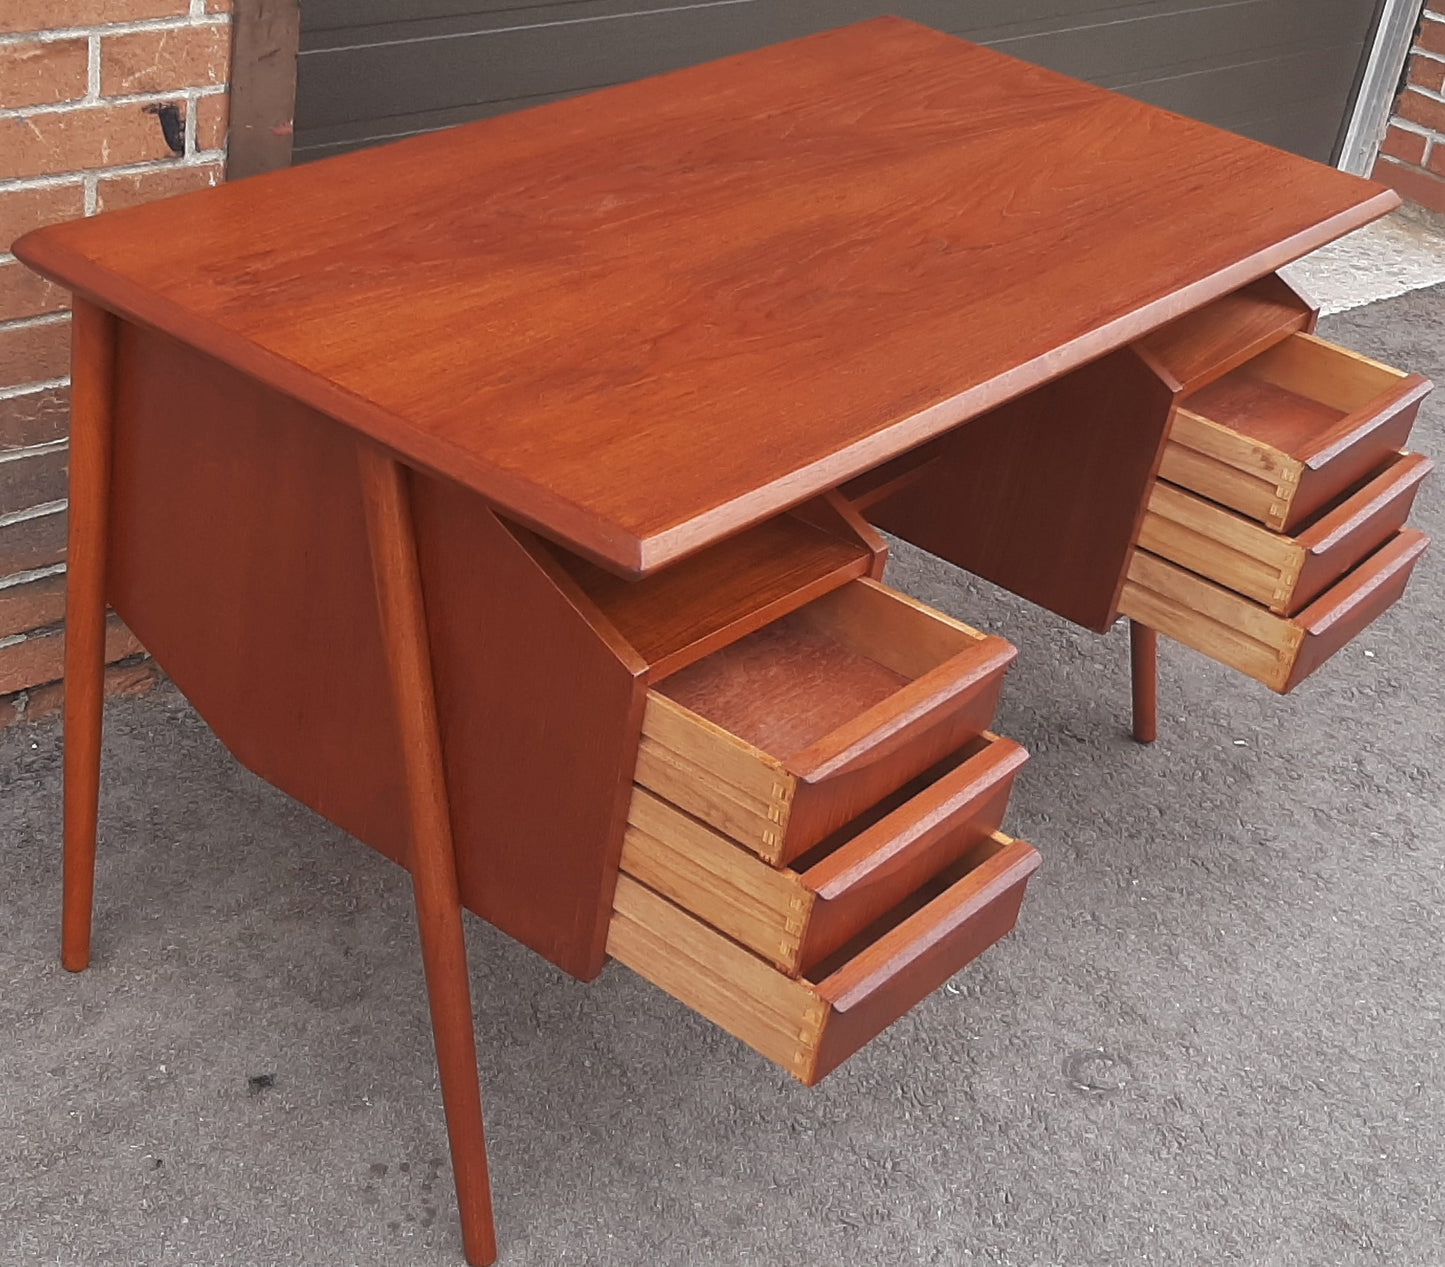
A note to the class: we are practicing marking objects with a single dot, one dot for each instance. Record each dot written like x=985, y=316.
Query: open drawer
x=782, y=737
x=810, y=1025
x=1278, y=651
x=1290, y=430
x=1283, y=572
x=796, y=917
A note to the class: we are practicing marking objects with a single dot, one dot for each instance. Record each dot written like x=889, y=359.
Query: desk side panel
x=1044, y=495
x=239, y=559
x=540, y=716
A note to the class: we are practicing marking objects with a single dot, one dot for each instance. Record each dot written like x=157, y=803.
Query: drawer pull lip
x=870, y=971
x=884, y=727
x=931, y=811
x=1337, y=524
x=1380, y=568
x=1350, y=429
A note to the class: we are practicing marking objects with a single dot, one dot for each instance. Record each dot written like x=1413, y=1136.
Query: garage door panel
x=1236, y=94
x=350, y=15
x=1194, y=40
x=355, y=134
x=1301, y=130
x=376, y=69
x=392, y=79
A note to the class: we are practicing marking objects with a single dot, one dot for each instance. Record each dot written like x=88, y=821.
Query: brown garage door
x=1282, y=71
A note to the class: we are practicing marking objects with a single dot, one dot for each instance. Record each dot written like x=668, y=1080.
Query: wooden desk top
x=642, y=319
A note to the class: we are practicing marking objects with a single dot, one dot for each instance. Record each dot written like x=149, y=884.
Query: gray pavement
x=1215, y=1037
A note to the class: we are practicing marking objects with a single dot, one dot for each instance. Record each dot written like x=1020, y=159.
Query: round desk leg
x=1144, y=662
x=92, y=377
x=397, y=573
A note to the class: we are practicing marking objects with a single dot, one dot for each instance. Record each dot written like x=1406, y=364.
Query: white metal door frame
x=1393, y=37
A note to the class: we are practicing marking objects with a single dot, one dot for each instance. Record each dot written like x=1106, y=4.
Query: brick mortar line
x=190, y=142
x=55, y=34
x=30, y=323
x=1410, y=167
x=34, y=450
x=201, y=158
x=1426, y=93
x=38, y=385
x=31, y=574
x=33, y=512
x=127, y=99
x=92, y=67
x=43, y=631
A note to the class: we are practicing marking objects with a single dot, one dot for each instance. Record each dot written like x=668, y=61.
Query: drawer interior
x=783, y=736
x=1294, y=395
x=787, y=686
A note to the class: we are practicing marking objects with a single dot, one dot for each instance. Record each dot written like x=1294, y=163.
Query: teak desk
x=507, y=496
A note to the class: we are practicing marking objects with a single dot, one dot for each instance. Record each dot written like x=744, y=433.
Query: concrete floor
x=1214, y=1038
x=1403, y=252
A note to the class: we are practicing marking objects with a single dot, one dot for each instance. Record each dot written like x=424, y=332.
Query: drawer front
x=1283, y=572
x=941, y=691
x=1292, y=430
x=795, y=918
x=1276, y=650
x=810, y=1026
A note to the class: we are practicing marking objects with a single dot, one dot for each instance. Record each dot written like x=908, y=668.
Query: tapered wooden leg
x=92, y=379
x=1144, y=662
x=386, y=494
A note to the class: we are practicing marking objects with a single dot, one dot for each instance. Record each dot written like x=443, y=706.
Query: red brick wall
x=1412, y=155
x=87, y=89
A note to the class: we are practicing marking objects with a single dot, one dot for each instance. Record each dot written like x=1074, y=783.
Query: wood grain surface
x=810, y=1025
x=92, y=429
x=1044, y=495
x=386, y=497
x=239, y=556
x=541, y=708
x=1196, y=349
x=685, y=612
x=1285, y=573
x=643, y=319
x=854, y=695
x=1291, y=430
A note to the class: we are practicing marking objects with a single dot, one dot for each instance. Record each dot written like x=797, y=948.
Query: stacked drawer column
x=1276, y=531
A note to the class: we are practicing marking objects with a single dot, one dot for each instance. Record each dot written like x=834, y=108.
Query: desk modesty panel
x=511, y=496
